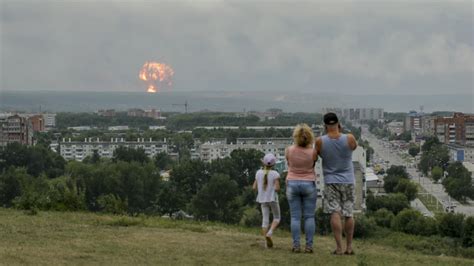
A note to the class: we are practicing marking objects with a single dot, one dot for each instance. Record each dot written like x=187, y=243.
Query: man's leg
x=349, y=229
x=336, y=226
x=347, y=212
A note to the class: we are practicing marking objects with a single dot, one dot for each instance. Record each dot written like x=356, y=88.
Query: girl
x=267, y=182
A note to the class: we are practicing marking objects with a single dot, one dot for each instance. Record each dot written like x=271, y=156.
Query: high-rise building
x=456, y=129
x=16, y=128
x=357, y=114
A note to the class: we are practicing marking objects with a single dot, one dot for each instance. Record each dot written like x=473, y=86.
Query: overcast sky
x=346, y=47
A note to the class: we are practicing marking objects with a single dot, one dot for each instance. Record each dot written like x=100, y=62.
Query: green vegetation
x=183, y=121
x=413, y=150
x=86, y=238
x=434, y=154
x=458, y=183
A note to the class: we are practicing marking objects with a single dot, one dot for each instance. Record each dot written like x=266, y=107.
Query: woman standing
x=301, y=186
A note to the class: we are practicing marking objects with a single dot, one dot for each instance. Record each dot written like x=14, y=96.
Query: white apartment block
x=78, y=150
x=210, y=151
x=49, y=121
x=356, y=114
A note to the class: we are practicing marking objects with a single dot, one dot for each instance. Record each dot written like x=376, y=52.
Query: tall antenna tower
x=181, y=104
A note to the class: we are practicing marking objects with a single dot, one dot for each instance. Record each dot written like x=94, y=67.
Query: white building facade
x=78, y=150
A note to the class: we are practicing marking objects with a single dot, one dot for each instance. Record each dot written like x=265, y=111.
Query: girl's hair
x=303, y=135
x=266, y=169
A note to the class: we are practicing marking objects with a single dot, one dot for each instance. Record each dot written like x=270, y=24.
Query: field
x=85, y=238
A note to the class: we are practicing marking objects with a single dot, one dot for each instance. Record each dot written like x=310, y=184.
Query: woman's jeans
x=302, y=198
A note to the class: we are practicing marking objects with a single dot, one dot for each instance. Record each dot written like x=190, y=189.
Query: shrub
x=412, y=222
x=450, y=224
x=364, y=227
x=112, y=204
x=323, y=222
x=468, y=232
x=251, y=217
x=383, y=217
x=392, y=202
x=65, y=196
x=408, y=188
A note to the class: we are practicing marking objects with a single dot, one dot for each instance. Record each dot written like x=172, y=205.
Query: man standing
x=335, y=149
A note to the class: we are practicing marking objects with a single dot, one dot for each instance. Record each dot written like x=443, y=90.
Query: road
x=383, y=150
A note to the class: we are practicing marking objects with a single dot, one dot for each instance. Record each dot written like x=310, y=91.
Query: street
x=383, y=150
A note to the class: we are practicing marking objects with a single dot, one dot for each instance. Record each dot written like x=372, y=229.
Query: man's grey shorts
x=339, y=198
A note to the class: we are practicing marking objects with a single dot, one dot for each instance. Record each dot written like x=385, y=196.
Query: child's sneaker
x=268, y=242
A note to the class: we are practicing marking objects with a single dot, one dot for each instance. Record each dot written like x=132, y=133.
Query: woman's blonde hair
x=303, y=135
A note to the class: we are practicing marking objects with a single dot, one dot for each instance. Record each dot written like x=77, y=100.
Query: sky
x=348, y=47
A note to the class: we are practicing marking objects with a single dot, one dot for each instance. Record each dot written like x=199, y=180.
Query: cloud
x=350, y=46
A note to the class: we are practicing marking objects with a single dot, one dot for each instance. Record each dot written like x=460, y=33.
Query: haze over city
x=344, y=47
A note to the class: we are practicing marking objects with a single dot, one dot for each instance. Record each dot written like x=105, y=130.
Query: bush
x=323, y=222
x=251, y=217
x=451, y=224
x=383, y=217
x=364, y=227
x=392, y=202
x=406, y=187
x=468, y=232
x=65, y=196
x=112, y=204
x=412, y=222
x=217, y=200
x=34, y=194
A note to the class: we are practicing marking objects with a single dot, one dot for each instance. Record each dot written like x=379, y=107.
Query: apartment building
x=16, y=128
x=456, y=129
x=210, y=151
x=413, y=122
x=357, y=114
x=78, y=150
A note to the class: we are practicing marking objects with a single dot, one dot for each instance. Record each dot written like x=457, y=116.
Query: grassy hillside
x=84, y=238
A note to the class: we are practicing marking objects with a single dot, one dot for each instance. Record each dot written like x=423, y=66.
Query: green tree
x=436, y=173
x=216, y=201
x=163, y=161
x=247, y=162
x=458, y=183
x=11, y=184
x=394, y=202
x=190, y=176
x=169, y=199
x=468, y=232
x=412, y=222
x=397, y=170
x=406, y=187
x=437, y=156
x=451, y=224
x=405, y=136
x=126, y=154
x=429, y=143
x=413, y=150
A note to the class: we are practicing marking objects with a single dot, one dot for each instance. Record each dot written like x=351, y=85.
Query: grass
x=86, y=238
x=429, y=201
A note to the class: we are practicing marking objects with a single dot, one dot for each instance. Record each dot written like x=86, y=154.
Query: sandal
x=296, y=250
x=349, y=252
x=336, y=253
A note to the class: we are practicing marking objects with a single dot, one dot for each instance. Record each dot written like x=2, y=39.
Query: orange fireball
x=156, y=75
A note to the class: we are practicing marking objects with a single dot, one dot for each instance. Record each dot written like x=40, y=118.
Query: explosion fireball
x=156, y=75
